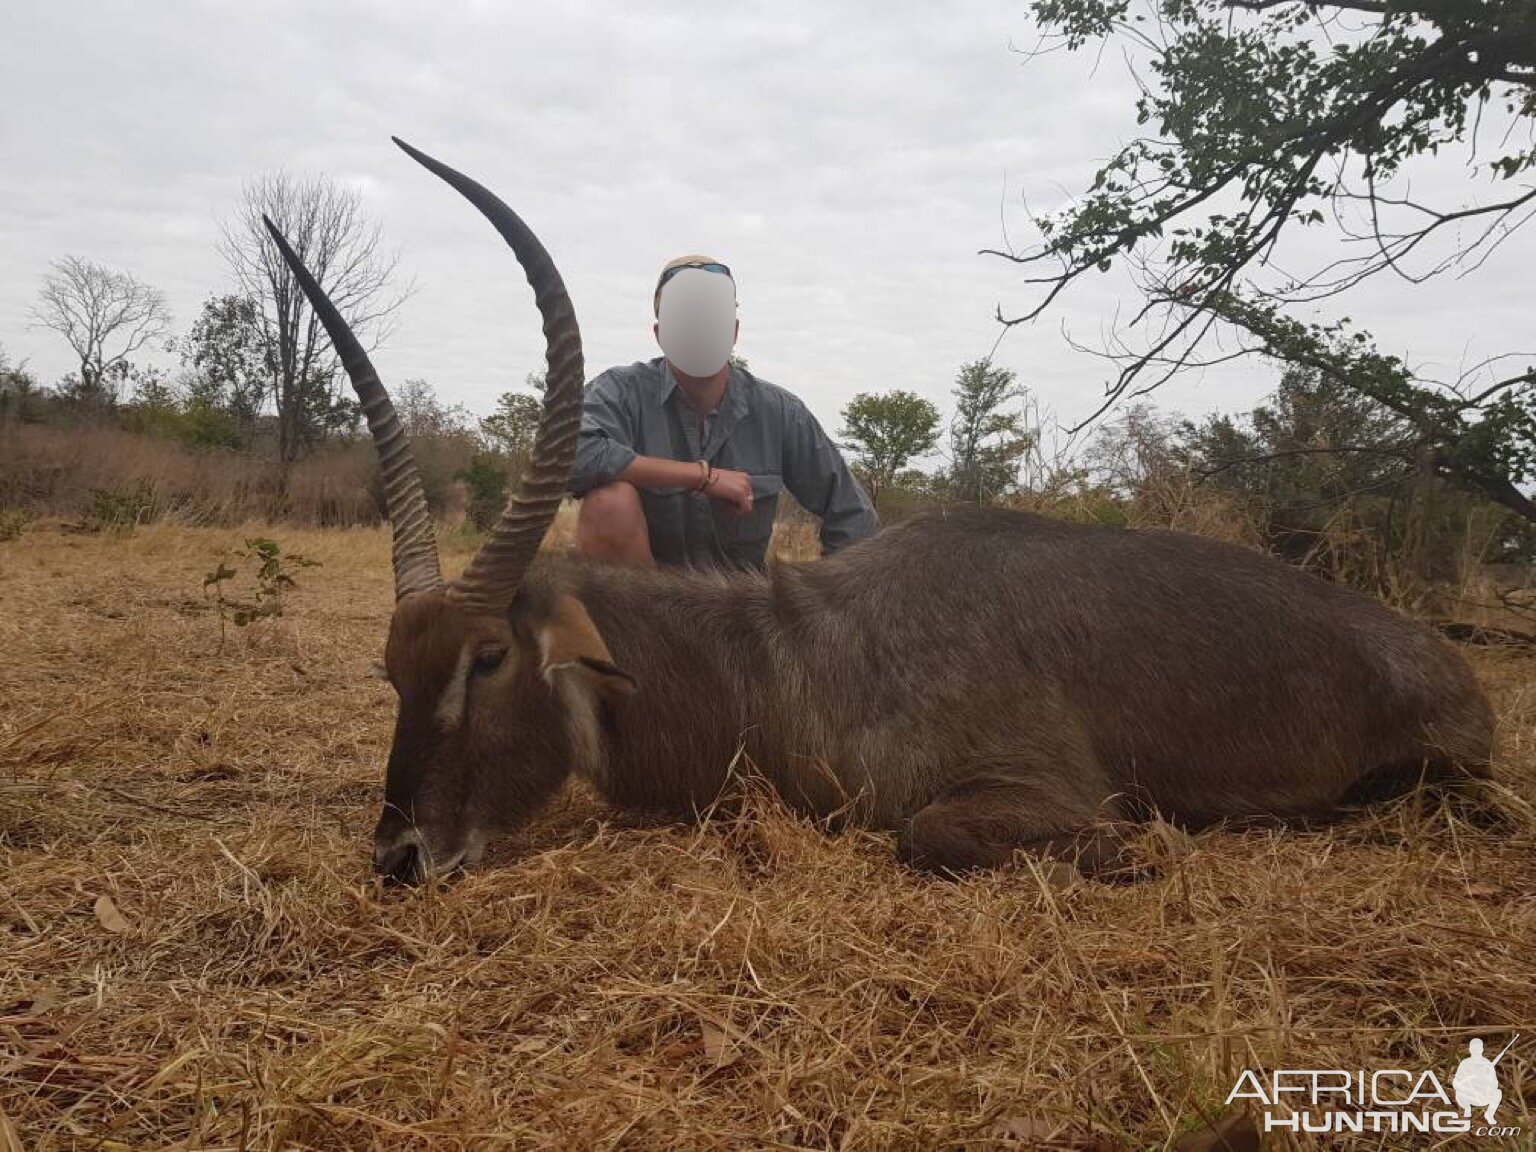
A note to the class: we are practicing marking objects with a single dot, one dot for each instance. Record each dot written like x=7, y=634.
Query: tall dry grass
x=100, y=472
x=193, y=954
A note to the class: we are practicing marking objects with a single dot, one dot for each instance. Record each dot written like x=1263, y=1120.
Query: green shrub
x=486, y=478
x=120, y=510
x=272, y=576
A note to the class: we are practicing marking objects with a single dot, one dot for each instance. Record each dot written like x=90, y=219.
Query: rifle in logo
x=1476, y=1082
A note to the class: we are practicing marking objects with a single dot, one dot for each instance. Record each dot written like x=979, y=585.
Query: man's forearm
x=659, y=472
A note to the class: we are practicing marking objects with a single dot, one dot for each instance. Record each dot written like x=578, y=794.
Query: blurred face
x=696, y=321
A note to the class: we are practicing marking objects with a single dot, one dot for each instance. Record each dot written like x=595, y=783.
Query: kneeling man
x=682, y=458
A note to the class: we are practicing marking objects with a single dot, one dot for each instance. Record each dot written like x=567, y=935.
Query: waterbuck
x=980, y=681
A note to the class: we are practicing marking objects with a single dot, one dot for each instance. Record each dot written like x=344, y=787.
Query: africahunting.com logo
x=1386, y=1100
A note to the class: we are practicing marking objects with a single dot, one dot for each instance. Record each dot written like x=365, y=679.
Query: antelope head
x=498, y=680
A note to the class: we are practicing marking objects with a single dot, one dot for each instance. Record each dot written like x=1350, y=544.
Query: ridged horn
x=414, y=546
x=493, y=576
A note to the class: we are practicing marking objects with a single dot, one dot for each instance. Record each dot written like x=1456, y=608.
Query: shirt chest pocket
x=745, y=535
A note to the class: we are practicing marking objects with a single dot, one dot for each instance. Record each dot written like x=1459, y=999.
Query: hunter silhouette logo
x=1396, y=1100
x=1476, y=1082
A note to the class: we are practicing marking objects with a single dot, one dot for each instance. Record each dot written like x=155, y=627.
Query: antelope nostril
x=401, y=864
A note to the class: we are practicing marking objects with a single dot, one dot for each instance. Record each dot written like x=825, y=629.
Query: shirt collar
x=733, y=405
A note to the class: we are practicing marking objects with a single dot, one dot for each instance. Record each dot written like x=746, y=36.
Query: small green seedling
x=272, y=572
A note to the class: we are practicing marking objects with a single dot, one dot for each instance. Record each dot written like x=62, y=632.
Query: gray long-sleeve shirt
x=759, y=429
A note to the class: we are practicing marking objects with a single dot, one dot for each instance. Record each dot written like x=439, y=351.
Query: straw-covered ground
x=193, y=953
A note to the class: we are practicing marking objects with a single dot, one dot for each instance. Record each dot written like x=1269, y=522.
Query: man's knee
x=611, y=523
x=617, y=500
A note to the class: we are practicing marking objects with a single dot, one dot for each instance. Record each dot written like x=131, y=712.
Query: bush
x=120, y=510
x=486, y=478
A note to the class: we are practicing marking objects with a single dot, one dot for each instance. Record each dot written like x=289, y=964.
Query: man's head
x=695, y=304
x=1475, y=1047
x=696, y=260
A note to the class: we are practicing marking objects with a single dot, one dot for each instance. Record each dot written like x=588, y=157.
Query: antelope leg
x=981, y=823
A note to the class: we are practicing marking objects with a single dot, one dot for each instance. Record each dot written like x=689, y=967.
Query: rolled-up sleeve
x=814, y=471
x=605, y=446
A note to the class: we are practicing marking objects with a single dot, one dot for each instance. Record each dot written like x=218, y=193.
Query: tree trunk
x=1415, y=559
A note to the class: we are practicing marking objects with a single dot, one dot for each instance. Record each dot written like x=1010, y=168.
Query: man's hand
x=733, y=488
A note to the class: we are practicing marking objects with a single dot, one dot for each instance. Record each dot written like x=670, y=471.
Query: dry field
x=193, y=954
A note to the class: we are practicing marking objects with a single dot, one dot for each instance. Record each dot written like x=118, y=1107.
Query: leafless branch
x=105, y=315
x=1287, y=453
x=325, y=223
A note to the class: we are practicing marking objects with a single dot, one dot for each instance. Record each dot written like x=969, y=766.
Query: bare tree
x=105, y=315
x=324, y=222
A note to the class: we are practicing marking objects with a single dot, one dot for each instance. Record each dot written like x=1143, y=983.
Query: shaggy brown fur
x=983, y=681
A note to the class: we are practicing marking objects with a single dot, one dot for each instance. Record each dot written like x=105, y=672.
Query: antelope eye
x=488, y=660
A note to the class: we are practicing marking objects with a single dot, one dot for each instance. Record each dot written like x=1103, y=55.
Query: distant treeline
x=168, y=452
x=1317, y=473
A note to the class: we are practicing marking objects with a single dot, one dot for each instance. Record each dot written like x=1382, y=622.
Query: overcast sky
x=846, y=160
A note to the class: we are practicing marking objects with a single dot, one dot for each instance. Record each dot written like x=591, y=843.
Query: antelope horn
x=493, y=576
x=414, y=547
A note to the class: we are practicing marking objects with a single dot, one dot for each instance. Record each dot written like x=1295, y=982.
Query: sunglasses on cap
x=710, y=266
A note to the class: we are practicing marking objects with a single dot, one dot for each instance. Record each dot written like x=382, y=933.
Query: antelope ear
x=569, y=643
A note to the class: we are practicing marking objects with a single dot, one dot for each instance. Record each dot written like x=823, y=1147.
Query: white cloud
x=848, y=160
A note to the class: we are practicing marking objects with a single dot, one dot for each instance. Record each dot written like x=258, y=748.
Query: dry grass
x=91, y=472
x=192, y=953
